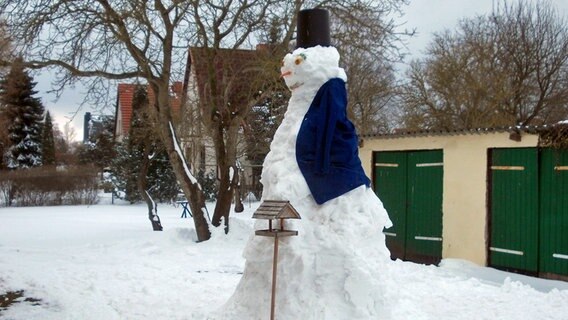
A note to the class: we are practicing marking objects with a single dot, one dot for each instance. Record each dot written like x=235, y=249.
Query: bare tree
x=115, y=40
x=5, y=44
x=142, y=137
x=69, y=133
x=227, y=94
x=535, y=41
x=139, y=39
x=503, y=69
x=368, y=39
x=371, y=89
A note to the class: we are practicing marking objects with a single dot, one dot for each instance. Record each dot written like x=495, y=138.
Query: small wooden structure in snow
x=275, y=210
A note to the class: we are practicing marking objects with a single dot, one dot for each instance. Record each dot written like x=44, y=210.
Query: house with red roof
x=124, y=98
x=236, y=74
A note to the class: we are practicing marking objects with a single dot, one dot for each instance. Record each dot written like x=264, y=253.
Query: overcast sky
x=430, y=16
x=426, y=16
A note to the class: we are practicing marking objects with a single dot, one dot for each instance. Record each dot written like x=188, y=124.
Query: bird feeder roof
x=271, y=209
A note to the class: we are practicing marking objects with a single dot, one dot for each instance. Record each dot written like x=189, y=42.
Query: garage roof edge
x=397, y=133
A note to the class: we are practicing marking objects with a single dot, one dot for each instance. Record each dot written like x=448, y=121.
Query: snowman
x=332, y=269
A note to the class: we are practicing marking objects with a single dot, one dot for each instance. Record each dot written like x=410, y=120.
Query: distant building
x=94, y=125
x=86, y=126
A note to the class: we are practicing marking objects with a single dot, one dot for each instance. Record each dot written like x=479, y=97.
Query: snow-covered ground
x=104, y=262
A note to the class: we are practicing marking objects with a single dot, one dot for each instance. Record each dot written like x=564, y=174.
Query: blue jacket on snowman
x=327, y=145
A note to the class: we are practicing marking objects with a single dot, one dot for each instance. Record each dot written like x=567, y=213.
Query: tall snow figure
x=332, y=269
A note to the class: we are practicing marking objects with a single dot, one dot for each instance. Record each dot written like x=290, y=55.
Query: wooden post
x=274, y=272
x=275, y=210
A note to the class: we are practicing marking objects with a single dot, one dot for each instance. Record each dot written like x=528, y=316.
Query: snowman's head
x=311, y=67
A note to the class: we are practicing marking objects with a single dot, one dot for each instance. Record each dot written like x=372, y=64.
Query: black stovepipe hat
x=313, y=28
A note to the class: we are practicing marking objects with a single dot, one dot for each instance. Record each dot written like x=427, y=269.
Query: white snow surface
x=104, y=262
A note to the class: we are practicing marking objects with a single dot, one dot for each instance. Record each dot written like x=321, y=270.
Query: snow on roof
x=400, y=133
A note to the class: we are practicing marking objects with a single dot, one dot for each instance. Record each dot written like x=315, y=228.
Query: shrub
x=208, y=182
x=49, y=186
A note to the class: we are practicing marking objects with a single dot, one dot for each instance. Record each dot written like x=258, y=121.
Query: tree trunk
x=188, y=183
x=238, y=191
x=224, y=198
x=152, y=212
x=142, y=183
x=226, y=155
x=239, y=207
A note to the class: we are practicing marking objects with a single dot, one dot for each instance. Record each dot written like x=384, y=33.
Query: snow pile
x=104, y=262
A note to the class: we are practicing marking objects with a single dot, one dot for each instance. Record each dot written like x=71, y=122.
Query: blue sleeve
x=333, y=102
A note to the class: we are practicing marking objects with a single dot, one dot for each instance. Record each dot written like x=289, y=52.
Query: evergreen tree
x=125, y=167
x=139, y=139
x=48, y=141
x=162, y=181
x=159, y=176
x=25, y=114
x=4, y=140
x=130, y=161
x=262, y=122
x=100, y=149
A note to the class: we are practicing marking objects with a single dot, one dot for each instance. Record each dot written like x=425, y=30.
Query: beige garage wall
x=465, y=184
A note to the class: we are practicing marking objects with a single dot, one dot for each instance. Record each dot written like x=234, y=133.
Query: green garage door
x=514, y=209
x=390, y=186
x=529, y=210
x=424, y=216
x=410, y=186
x=554, y=212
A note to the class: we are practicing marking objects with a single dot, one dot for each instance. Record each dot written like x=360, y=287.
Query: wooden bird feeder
x=275, y=210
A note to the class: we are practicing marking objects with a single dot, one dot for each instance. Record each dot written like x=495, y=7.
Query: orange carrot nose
x=285, y=74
